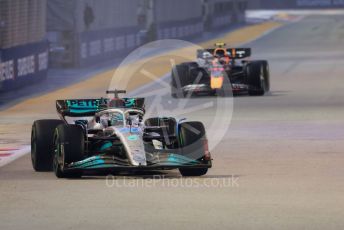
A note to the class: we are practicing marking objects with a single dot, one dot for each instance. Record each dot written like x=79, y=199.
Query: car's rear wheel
x=179, y=79
x=69, y=144
x=42, y=144
x=258, y=77
x=168, y=125
x=193, y=144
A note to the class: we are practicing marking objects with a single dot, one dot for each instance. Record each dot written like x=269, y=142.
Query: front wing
x=206, y=89
x=159, y=161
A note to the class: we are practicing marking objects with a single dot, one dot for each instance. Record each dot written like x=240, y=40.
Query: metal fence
x=84, y=32
x=21, y=22
x=23, y=48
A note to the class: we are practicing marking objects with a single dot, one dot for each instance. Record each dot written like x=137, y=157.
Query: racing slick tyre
x=167, y=122
x=191, y=65
x=179, y=78
x=168, y=131
x=258, y=78
x=192, y=142
x=42, y=145
x=69, y=144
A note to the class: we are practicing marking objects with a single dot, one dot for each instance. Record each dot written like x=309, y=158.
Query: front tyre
x=180, y=75
x=194, y=145
x=69, y=144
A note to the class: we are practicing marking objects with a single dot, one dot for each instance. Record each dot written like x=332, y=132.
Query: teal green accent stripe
x=82, y=110
x=101, y=166
x=178, y=159
x=106, y=145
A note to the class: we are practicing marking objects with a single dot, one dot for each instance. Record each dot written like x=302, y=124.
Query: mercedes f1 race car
x=112, y=135
x=218, y=72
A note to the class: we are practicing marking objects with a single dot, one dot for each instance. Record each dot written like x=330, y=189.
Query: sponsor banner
x=104, y=45
x=23, y=65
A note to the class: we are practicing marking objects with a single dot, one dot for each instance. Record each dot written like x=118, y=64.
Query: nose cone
x=139, y=158
x=216, y=82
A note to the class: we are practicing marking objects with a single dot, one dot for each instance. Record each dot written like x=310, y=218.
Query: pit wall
x=23, y=45
x=23, y=65
x=103, y=38
x=104, y=45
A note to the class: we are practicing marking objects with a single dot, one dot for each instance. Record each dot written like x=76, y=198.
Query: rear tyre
x=180, y=75
x=69, y=144
x=191, y=64
x=168, y=122
x=192, y=142
x=42, y=133
x=168, y=130
x=258, y=77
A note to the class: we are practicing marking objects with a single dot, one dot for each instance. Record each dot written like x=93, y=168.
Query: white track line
x=15, y=154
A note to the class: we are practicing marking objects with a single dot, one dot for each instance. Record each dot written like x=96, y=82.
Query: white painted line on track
x=9, y=155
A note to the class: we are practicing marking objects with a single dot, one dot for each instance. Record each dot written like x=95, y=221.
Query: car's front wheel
x=69, y=144
x=194, y=145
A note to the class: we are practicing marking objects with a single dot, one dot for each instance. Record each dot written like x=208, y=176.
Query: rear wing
x=133, y=103
x=89, y=107
x=234, y=53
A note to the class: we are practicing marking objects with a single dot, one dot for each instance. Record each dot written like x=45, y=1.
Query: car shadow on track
x=151, y=175
x=30, y=175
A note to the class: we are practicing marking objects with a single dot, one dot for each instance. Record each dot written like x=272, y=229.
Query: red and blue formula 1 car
x=218, y=72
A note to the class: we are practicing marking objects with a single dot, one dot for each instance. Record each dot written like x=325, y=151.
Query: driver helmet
x=116, y=119
x=207, y=55
x=219, y=53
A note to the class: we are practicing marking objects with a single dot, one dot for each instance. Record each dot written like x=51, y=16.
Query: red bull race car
x=218, y=71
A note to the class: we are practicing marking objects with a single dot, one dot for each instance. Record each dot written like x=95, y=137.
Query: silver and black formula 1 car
x=217, y=72
x=112, y=135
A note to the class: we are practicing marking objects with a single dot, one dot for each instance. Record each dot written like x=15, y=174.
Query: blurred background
x=37, y=35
